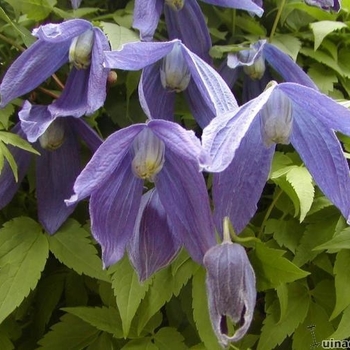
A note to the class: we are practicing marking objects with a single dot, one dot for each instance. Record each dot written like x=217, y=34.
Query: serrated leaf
x=275, y=331
x=342, y=281
x=322, y=28
x=168, y=338
x=271, y=268
x=15, y=140
x=37, y=9
x=5, y=153
x=159, y=292
x=128, y=291
x=324, y=78
x=106, y=319
x=23, y=254
x=201, y=312
x=118, y=35
x=288, y=44
x=70, y=333
x=341, y=240
x=71, y=245
x=140, y=344
x=5, y=113
x=282, y=293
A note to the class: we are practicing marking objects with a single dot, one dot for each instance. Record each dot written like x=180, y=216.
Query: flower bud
x=53, y=137
x=231, y=290
x=276, y=119
x=174, y=72
x=149, y=155
x=80, y=50
x=176, y=5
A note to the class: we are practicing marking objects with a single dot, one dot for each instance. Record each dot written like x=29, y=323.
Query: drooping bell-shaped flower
x=184, y=20
x=77, y=41
x=328, y=5
x=170, y=67
x=256, y=65
x=56, y=168
x=166, y=154
x=242, y=145
x=231, y=290
x=153, y=244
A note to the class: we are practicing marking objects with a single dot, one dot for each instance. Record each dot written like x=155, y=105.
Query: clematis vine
x=158, y=152
x=56, y=168
x=231, y=290
x=168, y=68
x=257, y=65
x=76, y=41
x=242, y=145
x=327, y=5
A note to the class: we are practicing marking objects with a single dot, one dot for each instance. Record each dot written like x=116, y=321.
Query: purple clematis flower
x=170, y=67
x=325, y=4
x=153, y=232
x=231, y=289
x=76, y=41
x=242, y=145
x=56, y=168
x=161, y=152
x=256, y=63
x=184, y=20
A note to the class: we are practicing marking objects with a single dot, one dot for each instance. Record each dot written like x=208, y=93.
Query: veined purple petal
x=215, y=92
x=137, y=55
x=146, y=17
x=35, y=119
x=153, y=244
x=56, y=172
x=157, y=102
x=87, y=133
x=286, y=67
x=247, y=5
x=326, y=110
x=237, y=189
x=8, y=184
x=231, y=290
x=113, y=210
x=322, y=154
x=31, y=68
x=63, y=32
x=180, y=141
x=183, y=193
x=104, y=162
x=222, y=137
x=229, y=75
x=189, y=25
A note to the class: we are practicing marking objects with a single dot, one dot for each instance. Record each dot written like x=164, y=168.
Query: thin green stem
x=277, y=19
x=268, y=213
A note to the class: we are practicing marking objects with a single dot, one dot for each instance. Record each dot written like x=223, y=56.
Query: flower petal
x=153, y=245
x=183, y=193
x=104, y=162
x=87, y=133
x=322, y=154
x=56, y=172
x=146, y=17
x=137, y=55
x=237, y=189
x=113, y=210
x=189, y=25
x=247, y=5
x=157, y=102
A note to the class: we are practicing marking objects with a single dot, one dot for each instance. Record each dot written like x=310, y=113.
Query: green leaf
x=343, y=330
x=71, y=245
x=118, y=35
x=103, y=318
x=340, y=240
x=275, y=331
x=5, y=342
x=201, y=312
x=323, y=77
x=168, y=338
x=288, y=44
x=15, y=140
x=128, y=291
x=5, y=153
x=342, y=281
x=140, y=344
x=70, y=333
x=37, y=9
x=282, y=293
x=322, y=28
x=271, y=268
x=6, y=112
x=23, y=254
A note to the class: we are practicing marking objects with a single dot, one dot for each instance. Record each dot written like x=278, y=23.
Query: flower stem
x=268, y=212
x=278, y=16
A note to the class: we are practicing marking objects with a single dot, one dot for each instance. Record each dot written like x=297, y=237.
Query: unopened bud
x=80, y=50
x=53, y=137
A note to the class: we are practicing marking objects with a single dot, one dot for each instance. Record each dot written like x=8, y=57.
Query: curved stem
x=278, y=16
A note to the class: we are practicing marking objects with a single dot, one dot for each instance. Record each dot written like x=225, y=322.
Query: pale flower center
x=80, y=50
x=176, y=5
x=148, y=155
x=53, y=137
